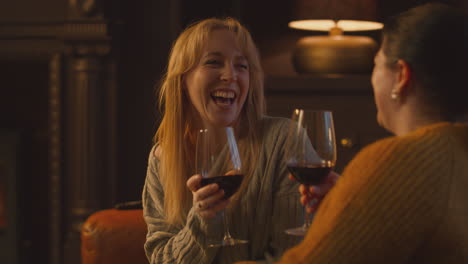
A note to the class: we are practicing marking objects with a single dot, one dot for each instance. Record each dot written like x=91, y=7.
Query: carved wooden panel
x=51, y=50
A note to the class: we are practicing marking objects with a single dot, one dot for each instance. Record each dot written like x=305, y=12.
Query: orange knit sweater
x=401, y=200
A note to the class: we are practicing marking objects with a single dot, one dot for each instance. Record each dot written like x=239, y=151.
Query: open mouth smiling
x=222, y=97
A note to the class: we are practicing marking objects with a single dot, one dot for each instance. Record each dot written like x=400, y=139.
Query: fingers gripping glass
x=218, y=161
x=310, y=151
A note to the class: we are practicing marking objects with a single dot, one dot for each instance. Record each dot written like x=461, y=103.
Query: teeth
x=224, y=94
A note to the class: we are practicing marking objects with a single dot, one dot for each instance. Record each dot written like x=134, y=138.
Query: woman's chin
x=222, y=122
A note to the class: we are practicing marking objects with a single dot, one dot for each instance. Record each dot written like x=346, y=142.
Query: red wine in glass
x=313, y=174
x=229, y=183
x=310, y=151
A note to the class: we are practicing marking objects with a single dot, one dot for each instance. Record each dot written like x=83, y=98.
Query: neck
x=412, y=118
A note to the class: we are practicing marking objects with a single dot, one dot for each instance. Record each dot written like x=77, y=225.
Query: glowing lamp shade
x=327, y=24
x=335, y=52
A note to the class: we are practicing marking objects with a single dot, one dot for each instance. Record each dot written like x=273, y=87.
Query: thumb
x=193, y=183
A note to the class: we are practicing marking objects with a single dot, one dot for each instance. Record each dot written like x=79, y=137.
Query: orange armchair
x=114, y=236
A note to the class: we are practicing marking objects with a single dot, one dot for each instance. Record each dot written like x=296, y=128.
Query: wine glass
x=310, y=151
x=218, y=161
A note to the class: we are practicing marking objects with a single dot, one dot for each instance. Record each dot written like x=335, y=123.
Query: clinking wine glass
x=310, y=151
x=218, y=161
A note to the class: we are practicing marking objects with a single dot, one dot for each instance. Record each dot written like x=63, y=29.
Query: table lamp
x=335, y=52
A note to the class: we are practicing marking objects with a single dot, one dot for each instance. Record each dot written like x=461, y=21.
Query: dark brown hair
x=433, y=39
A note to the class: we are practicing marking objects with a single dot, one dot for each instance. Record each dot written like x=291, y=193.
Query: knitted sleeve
x=391, y=194
x=287, y=211
x=166, y=243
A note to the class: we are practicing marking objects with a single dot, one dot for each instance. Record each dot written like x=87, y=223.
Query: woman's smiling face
x=218, y=85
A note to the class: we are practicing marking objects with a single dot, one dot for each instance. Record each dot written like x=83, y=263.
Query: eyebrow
x=220, y=54
x=213, y=53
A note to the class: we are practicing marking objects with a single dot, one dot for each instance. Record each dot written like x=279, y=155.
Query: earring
x=395, y=95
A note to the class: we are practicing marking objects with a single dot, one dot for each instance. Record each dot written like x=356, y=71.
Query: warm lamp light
x=327, y=24
x=336, y=52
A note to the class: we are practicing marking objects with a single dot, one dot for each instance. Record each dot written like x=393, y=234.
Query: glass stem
x=227, y=234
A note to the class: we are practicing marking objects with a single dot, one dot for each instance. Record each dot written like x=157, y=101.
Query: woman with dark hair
x=404, y=199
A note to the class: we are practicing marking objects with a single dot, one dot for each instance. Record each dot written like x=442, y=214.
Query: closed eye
x=213, y=62
x=243, y=66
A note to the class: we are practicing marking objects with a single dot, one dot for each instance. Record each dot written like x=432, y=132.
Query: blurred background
x=78, y=105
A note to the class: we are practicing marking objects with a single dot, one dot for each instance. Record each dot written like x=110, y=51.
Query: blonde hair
x=176, y=133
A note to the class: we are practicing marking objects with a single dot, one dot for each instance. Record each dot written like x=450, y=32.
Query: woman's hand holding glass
x=312, y=195
x=208, y=200
x=220, y=176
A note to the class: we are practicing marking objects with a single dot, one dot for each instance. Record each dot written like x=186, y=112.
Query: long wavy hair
x=176, y=135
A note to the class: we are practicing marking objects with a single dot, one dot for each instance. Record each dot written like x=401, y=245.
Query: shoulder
x=275, y=125
x=273, y=135
x=156, y=152
x=419, y=141
x=421, y=149
x=275, y=120
x=153, y=167
x=154, y=155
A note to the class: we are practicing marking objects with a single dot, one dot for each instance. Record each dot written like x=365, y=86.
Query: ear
x=405, y=75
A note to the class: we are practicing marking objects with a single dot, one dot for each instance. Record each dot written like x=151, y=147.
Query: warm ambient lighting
x=335, y=52
x=326, y=25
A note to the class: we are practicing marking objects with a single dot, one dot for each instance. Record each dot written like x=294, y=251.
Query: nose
x=229, y=73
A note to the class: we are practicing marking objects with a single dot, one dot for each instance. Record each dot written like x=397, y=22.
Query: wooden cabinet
x=349, y=97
